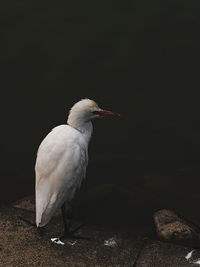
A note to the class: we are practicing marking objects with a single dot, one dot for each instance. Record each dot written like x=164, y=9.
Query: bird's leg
x=66, y=220
x=67, y=216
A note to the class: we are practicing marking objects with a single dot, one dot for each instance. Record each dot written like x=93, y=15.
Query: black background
x=138, y=58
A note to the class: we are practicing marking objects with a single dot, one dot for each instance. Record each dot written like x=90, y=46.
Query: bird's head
x=86, y=110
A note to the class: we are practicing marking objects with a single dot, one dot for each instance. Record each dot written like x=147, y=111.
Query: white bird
x=61, y=161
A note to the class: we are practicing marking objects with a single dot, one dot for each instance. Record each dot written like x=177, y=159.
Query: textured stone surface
x=160, y=254
x=21, y=244
x=26, y=203
x=171, y=227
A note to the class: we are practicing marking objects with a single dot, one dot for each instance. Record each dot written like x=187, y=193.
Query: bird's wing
x=60, y=167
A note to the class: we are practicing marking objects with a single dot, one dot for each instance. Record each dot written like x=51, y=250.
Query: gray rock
x=172, y=228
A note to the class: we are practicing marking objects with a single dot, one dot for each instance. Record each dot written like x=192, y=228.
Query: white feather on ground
x=188, y=257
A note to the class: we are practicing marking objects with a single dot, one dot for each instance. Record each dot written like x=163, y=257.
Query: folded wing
x=60, y=167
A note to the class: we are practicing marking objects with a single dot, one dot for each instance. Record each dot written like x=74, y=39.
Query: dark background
x=138, y=58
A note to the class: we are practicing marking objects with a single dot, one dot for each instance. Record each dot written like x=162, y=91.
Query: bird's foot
x=71, y=234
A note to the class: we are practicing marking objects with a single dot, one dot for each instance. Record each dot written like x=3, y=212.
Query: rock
x=26, y=203
x=172, y=228
x=22, y=245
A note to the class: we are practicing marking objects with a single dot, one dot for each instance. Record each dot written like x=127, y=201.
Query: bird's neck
x=85, y=128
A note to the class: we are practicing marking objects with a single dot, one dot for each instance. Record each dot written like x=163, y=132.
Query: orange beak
x=103, y=112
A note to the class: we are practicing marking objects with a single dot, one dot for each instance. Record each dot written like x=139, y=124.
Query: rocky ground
x=22, y=245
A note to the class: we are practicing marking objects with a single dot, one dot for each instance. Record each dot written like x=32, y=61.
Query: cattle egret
x=61, y=162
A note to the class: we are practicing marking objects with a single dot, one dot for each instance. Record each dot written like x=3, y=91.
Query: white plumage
x=62, y=160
